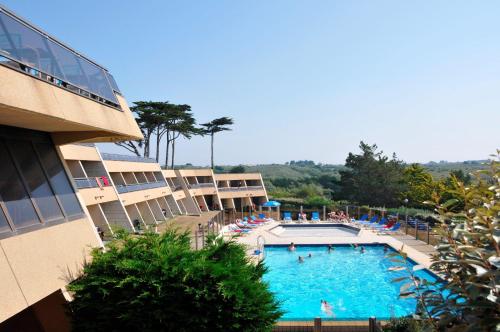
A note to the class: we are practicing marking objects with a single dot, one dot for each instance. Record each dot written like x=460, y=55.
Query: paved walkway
x=416, y=250
x=188, y=222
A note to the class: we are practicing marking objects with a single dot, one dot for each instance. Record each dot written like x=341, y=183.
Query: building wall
x=35, y=264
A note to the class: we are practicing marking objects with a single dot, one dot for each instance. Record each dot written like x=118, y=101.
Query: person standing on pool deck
x=291, y=247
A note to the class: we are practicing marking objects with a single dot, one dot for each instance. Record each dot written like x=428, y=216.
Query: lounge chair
x=363, y=217
x=369, y=222
x=287, y=216
x=315, y=216
x=385, y=226
x=381, y=223
x=234, y=228
x=391, y=230
x=254, y=219
x=262, y=216
x=243, y=224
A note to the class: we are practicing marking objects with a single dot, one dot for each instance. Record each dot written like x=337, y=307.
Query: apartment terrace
x=142, y=189
x=58, y=89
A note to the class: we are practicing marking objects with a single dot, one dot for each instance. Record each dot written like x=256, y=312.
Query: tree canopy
x=158, y=283
x=371, y=178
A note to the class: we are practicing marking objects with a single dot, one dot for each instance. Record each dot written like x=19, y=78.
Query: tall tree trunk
x=146, y=144
x=212, y=150
x=173, y=153
x=157, y=144
x=166, y=153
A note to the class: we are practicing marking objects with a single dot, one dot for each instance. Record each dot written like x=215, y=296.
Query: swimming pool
x=315, y=230
x=357, y=285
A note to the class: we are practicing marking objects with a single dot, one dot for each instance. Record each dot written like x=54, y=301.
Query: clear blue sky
x=302, y=79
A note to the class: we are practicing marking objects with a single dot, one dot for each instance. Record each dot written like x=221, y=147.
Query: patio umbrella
x=271, y=204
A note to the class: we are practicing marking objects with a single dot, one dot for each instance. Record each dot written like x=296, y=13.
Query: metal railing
x=201, y=185
x=34, y=52
x=90, y=183
x=121, y=157
x=224, y=189
x=139, y=186
x=213, y=227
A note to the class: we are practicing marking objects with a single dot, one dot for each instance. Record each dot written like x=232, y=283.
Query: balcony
x=139, y=186
x=249, y=188
x=121, y=157
x=47, y=86
x=31, y=51
x=96, y=182
x=201, y=185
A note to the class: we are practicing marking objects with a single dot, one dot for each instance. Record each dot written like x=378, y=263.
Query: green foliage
x=308, y=190
x=403, y=324
x=419, y=185
x=158, y=283
x=237, y=169
x=317, y=202
x=468, y=257
x=372, y=178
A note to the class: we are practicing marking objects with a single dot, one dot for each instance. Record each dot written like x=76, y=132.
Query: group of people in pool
x=330, y=248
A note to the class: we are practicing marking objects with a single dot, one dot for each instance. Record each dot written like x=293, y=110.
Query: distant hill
x=441, y=169
x=293, y=172
x=302, y=170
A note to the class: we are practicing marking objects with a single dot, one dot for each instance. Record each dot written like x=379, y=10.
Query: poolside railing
x=212, y=227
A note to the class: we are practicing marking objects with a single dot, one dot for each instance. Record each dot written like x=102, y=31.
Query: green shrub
x=468, y=259
x=403, y=324
x=158, y=283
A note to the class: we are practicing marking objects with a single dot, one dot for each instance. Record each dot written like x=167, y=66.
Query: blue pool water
x=356, y=285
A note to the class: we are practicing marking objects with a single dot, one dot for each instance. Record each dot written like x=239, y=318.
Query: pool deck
x=416, y=250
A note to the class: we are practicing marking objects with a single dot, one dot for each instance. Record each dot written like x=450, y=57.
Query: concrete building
x=59, y=196
x=50, y=95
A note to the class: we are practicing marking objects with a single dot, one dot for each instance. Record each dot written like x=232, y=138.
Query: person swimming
x=330, y=248
x=326, y=308
x=310, y=255
x=362, y=250
x=291, y=247
x=301, y=259
x=386, y=249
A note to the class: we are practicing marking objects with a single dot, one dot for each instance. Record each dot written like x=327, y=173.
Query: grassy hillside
x=442, y=169
x=299, y=172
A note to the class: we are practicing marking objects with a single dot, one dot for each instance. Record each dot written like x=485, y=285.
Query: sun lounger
x=373, y=220
x=234, y=228
x=391, y=230
x=287, y=216
x=315, y=216
x=381, y=223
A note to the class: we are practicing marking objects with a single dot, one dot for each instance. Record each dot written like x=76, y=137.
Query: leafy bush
x=468, y=259
x=158, y=283
x=403, y=324
x=317, y=202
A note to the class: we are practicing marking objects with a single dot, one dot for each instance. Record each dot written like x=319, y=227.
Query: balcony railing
x=121, y=157
x=102, y=181
x=225, y=189
x=139, y=186
x=201, y=185
x=30, y=50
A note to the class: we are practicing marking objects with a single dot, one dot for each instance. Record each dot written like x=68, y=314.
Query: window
x=34, y=188
x=4, y=225
x=36, y=181
x=59, y=179
x=13, y=193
